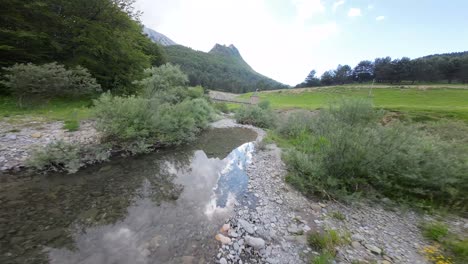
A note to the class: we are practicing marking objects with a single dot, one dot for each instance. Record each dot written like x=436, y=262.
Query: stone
x=357, y=237
x=385, y=262
x=11, y=137
x=356, y=245
x=373, y=249
x=223, y=239
x=272, y=261
x=293, y=229
x=223, y=261
x=255, y=242
x=36, y=135
x=248, y=227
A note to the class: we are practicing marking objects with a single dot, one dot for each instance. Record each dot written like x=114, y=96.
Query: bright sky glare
x=286, y=39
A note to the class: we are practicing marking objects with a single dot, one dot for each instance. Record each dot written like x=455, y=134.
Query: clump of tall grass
x=346, y=151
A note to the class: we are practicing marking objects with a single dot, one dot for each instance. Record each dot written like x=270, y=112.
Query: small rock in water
x=255, y=242
x=225, y=228
x=223, y=239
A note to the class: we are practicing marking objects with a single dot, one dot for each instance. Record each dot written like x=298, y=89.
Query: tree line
x=450, y=67
x=103, y=36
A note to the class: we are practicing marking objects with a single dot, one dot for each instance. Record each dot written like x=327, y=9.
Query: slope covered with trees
x=103, y=36
x=449, y=67
x=220, y=69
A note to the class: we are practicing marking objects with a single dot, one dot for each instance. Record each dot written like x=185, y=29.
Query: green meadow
x=428, y=103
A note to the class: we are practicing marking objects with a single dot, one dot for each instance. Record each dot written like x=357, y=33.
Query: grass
x=448, y=247
x=326, y=242
x=338, y=216
x=71, y=110
x=435, y=103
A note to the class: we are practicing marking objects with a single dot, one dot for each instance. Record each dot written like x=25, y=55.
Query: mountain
x=222, y=68
x=158, y=37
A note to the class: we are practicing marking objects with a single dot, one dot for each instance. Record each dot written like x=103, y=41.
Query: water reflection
x=148, y=209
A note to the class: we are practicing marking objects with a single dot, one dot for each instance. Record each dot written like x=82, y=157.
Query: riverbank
x=18, y=138
x=275, y=228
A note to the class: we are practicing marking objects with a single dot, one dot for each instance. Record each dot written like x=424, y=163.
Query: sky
x=286, y=39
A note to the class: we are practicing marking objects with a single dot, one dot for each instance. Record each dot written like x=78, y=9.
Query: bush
x=345, y=151
x=57, y=156
x=30, y=81
x=221, y=107
x=162, y=78
x=64, y=156
x=164, y=113
x=435, y=231
x=256, y=116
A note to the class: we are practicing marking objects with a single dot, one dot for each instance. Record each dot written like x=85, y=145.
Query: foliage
x=71, y=125
x=220, y=69
x=222, y=107
x=447, y=245
x=162, y=78
x=256, y=115
x=56, y=156
x=440, y=67
x=49, y=80
x=166, y=112
x=326, y=242
x=435, y=230
x=101, y=35
x=345, y=151
x=64, y=156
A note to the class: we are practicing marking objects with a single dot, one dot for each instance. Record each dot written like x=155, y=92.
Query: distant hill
x=445, y=55
x=222, y=68
x=158, y=37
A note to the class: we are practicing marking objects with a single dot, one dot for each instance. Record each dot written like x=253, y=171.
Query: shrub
x=48, y=80
x=56, y=156
x=435, y=231
x=164, y=113
x=162, y=78
x=221, y=107
x=256, y=116
x=345, y=151
x=64, y=156
x=71, y=125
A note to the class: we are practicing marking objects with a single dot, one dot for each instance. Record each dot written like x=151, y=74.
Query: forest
x=220, y=69
x=450, y=68
x=103, y=36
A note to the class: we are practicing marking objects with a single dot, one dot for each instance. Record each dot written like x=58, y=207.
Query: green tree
x=101, y=35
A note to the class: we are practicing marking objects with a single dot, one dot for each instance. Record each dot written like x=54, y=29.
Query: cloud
x=370, y=7
x=337, y=4
x=379, y=18
x=354, y=12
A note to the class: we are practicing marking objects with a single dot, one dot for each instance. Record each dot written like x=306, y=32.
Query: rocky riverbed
x=17, y=139
x=274, y=229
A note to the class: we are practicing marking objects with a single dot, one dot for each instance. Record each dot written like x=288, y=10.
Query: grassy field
x=428, y=103
x=55, y=109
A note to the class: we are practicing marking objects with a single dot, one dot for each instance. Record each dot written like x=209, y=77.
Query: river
x=163, y=207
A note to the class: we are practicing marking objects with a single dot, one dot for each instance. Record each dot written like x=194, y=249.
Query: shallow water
x=164, y=207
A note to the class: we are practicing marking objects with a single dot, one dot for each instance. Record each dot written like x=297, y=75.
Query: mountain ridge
x=221, y=69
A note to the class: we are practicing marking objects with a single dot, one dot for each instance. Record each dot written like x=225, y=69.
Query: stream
x=163, y=207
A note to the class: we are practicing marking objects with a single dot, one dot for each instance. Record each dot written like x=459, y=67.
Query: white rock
x=255, y=242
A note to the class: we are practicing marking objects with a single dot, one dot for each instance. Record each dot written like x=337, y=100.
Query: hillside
x=158, y=37
x=223, y=69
